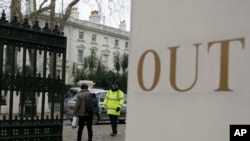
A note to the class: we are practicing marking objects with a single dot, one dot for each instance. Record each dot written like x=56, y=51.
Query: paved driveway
x=101, y=132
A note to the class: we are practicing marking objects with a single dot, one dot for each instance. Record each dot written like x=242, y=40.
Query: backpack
x=91, y=104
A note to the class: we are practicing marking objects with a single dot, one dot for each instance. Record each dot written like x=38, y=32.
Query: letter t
x=224, y=62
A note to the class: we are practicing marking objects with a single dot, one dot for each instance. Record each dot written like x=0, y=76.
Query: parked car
x=73, y=91
x=102, y=115
x=70, y=93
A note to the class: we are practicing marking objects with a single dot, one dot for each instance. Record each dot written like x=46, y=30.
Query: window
x=116, y=42
x=105, y=59
x=126, y=44
x=81, y=35
x=58, y=73
x=93, y=37
x=106, y=41
x=80, y=55
x=102, y=96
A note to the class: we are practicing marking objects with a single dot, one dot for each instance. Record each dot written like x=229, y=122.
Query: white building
x=84, y=36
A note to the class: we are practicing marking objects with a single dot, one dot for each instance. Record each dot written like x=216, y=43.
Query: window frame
x=126, y=44
x=80, y=55
x=81, y=35
x=116, y=42
x=93, y=37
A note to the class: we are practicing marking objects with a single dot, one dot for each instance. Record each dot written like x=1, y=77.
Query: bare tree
x=15, y=9
x=67, y=14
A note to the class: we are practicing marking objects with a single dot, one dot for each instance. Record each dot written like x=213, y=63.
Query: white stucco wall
x=188, y=70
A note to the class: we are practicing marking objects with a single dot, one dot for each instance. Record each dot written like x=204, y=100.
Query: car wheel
x=95, y=119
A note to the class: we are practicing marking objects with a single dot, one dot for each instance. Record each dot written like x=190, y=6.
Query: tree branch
x=67, y=14
x=40, y=7
x=40, y=11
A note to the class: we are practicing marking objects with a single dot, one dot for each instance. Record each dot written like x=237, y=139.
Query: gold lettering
x=157, y=70
x=224, y=56
x=173, y=52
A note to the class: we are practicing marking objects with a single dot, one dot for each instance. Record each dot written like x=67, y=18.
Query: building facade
x=83, y=37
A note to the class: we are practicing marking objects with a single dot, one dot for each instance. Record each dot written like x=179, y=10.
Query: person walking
x=80, y=111
x=113, y=102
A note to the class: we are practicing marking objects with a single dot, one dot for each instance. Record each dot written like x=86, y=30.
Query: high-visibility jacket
x=112, y=101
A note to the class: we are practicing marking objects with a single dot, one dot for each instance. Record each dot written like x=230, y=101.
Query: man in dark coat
x=80, y=111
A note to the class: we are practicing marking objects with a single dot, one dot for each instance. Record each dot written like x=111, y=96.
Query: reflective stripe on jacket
x=112, y=101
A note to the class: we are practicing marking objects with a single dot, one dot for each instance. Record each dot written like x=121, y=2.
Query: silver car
x=102, y=115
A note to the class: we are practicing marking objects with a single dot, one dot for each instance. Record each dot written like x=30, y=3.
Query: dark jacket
x=80, y=106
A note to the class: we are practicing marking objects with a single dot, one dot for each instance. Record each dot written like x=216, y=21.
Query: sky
x=111, y=15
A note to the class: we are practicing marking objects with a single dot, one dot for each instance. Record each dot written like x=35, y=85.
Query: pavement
x=101, y=132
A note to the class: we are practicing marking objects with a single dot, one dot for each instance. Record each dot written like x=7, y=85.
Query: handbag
x=75, y=121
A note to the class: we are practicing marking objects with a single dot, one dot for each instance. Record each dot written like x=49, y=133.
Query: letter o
x=156, y=74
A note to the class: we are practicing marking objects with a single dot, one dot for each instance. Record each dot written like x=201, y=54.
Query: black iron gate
x=32, y=83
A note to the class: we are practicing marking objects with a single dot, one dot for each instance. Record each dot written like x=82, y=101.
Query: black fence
x=32, y=72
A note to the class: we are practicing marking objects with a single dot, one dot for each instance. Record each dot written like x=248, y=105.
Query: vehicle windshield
x=72, y=91
x=102, y=96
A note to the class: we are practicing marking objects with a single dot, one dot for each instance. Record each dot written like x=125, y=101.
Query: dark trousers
x=82, y=121
x=113, y=120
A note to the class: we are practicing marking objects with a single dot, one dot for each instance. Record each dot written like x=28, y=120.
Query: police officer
x=113, y=102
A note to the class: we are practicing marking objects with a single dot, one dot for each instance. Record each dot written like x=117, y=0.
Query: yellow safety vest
x=112, y=101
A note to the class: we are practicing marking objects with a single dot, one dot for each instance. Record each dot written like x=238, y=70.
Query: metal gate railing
x=32, y=73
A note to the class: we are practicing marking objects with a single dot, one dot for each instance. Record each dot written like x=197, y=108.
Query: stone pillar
x=88, y=82
x=123, y=25
x=74, y=13
x=94, y=17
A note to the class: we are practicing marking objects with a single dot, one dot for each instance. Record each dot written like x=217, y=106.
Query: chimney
x=123, y=25
x=94, y=17
x=74, y=13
